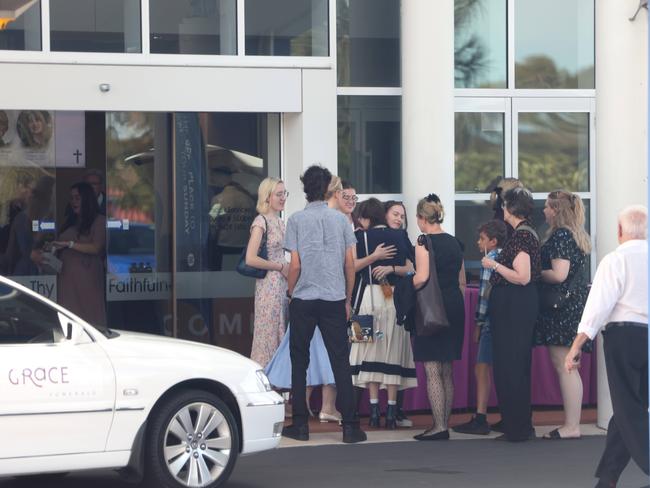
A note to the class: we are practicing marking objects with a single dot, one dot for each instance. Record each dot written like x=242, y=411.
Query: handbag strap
x=266, y=229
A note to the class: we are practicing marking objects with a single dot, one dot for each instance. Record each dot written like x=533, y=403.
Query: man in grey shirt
x=321, y=277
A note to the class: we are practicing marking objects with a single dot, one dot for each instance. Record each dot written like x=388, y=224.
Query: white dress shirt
x=619, y=292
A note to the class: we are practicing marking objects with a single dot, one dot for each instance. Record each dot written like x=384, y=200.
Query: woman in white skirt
x=387, y=362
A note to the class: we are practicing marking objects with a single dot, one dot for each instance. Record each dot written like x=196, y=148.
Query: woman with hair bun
x=437, y=352
x=564, y=256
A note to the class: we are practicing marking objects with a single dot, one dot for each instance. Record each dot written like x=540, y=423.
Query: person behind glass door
x=496, y=199
x=387, y=362
x=270, y=291
x=513, y=309
x=396, y=219
x=437, y=352
x=619, y=299
x=96, y=179
x=564, y=256
x=81, y=245
x=16, y=185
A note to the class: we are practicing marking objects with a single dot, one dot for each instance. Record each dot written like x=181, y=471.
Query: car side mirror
x=68, y=331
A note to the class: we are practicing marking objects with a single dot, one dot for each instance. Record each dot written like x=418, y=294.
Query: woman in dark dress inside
x=564, y=258
x=513, y=308
x=438, y=351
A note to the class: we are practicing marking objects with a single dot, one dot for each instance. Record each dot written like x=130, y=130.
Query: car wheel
x=192, y=441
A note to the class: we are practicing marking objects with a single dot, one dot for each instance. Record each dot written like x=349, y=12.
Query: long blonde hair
x=569, y=214
x=267, y=186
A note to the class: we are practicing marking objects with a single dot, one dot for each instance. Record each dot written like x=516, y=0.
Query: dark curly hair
x=315, y=181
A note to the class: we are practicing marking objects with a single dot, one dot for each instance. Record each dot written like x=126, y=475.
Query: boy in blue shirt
x=492, y=236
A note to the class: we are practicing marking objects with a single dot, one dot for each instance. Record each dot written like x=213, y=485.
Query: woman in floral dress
x=271, y=291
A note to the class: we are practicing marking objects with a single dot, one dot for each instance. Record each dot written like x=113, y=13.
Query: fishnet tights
x=440, y=389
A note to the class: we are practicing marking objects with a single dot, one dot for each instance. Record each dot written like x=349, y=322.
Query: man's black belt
x=611, y=325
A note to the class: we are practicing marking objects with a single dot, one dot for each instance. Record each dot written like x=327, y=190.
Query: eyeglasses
x=281, y=194
x=350, y=198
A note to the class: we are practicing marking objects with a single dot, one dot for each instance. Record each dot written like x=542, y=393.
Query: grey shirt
x=321, y=237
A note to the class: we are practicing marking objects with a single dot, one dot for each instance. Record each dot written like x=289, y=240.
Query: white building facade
x=183, y=106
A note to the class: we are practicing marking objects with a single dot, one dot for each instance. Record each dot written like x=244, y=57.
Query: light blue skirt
x=319, y=372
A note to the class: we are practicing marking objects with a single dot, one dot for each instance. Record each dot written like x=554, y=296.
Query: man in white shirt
x=618, y=300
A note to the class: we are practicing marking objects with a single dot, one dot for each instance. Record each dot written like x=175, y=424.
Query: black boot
x=374, y=415
x=391, y=420
x=353, y=434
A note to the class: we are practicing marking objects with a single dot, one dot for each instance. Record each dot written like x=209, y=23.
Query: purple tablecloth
x=545, y=387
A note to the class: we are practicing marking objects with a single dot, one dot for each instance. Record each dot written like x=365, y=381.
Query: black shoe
x=473, y=427
x=438, y=436
x=391, y=420
x=374, y=415
x=297, y=432
x=504, y=437
x=498, y=427
x=401, y=419
x=352, y=434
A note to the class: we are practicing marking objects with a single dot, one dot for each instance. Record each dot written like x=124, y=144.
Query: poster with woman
x=26, y=138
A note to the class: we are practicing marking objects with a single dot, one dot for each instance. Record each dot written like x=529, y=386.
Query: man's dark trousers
x=331, y=320
x=626, y=358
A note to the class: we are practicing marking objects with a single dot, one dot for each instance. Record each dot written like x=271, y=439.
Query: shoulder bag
x=552, y=299
x=246, y=270
x=361, y=327
x=430, y=314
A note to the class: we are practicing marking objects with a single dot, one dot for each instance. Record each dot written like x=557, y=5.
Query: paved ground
x=460, y=463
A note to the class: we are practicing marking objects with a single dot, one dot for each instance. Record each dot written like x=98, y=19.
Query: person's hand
x=348, y=310
x=382, y=252
x=477, y=334
x=381, y=272
x=60, y=244
x=285, y=270
x=488, y=263
x=572, y=360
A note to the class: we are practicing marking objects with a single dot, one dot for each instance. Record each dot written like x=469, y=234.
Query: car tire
x=192, y=441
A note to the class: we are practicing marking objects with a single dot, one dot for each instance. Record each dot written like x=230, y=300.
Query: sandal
x=554, y=435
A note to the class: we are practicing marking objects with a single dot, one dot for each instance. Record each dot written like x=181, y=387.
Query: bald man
x=618, y=301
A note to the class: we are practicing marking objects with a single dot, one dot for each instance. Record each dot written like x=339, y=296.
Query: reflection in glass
x=479, y=150
x=287, y=27
x=469, y=216
x=554, y=151
x=24, y=33
x=101, y=26
x=368, y=42
x=480, y=53
x=369, y=143
x=554, y=44
x=193, y=26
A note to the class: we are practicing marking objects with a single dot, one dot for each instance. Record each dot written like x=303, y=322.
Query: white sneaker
x=404, y=423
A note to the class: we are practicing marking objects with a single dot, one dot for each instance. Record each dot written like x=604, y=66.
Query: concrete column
x=621, y=132
x=310, y=137
x=428, y=105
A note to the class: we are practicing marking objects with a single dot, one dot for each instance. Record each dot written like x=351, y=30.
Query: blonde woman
x=270, y=292
x=564, y=256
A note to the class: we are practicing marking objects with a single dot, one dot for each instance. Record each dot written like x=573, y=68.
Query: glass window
x=368, y=42
x=193, y=26
x=554, y=151
x=480, y=43
x=101, y=26
x=23, y=33
x=26, y=320
x=554, y=44
x=287, y=27
x=369, y=143
x=479, y=140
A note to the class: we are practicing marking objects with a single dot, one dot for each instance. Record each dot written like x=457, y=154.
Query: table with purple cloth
x=545, y=389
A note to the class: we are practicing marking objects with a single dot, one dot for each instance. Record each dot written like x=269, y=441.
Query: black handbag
x=262, y=252
x=430, y=314
x=361, y=327
x=552, y=299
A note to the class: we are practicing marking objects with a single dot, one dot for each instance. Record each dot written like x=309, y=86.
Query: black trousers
x=626, y=359
x=331, y=320
x=513, y=311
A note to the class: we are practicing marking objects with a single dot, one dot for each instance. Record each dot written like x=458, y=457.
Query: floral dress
x=270, y=296
x=559, y=327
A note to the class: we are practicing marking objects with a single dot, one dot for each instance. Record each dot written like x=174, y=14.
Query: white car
x=75, y=398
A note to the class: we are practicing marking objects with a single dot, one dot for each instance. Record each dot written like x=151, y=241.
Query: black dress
x=447, y=345
x=559, y=327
